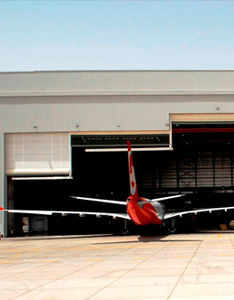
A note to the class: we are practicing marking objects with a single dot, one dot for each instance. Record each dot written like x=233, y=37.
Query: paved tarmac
x=178, y=267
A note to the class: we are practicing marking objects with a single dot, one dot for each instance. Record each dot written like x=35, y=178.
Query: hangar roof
x=73, y=83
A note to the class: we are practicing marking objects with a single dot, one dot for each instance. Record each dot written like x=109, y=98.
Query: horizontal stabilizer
x=158, y=199
x=167, y=198
x=100, y=200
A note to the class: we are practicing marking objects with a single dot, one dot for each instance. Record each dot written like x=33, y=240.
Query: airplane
x=141, y=211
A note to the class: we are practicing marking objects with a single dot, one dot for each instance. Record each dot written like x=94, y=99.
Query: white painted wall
x=103, y=112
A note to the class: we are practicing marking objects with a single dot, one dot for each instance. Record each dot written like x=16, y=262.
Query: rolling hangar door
x=38, y=166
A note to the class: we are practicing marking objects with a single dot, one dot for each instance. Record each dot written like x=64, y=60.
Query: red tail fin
x=1, y=208
x=132, y=177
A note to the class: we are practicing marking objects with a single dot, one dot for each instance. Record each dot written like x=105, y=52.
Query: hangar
x=64, y=133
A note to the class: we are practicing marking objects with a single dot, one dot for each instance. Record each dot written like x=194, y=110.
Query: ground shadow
x=43, y=238
x=147, y=239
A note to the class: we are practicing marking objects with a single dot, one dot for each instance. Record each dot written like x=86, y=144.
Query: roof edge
x=115, y=93
x=111, y=70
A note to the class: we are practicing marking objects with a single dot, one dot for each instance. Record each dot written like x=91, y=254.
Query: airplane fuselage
x=144, y=214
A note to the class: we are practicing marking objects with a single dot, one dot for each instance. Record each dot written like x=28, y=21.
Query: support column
x=10, y=204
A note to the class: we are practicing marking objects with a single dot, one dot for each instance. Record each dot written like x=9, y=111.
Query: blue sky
x=120, y=35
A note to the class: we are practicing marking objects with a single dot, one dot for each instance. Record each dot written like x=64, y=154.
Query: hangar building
x=64, y=133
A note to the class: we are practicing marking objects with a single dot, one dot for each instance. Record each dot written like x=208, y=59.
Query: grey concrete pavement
x=175, y=267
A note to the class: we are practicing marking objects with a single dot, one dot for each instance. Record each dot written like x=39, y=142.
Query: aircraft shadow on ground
x=44, y=238
x=146, y=239
x=143, y=239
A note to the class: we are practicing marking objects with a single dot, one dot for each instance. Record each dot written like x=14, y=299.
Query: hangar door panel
x=38, y=154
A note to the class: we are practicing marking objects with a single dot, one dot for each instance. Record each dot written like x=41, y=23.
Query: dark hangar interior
x=201, y=165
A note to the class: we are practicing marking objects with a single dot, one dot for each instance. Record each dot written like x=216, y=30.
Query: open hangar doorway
x=100, y=170
x=203, y=168
x=200, y=165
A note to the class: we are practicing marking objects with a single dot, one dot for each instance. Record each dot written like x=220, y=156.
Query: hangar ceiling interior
x=201, y=165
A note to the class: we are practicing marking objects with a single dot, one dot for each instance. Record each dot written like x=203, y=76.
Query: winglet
x=1, y=208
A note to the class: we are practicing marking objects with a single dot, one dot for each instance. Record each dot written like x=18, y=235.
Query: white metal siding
x=116, y=82
x=103, y=113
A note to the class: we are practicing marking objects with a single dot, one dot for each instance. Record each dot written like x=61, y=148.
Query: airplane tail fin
x=132, y=176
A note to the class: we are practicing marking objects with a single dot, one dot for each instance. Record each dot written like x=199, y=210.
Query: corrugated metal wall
x=118, y=81
x=103, y=113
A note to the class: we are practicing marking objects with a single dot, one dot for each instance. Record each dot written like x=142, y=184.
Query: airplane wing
x=64, y=213
x=196, y=211
x=101, y=200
